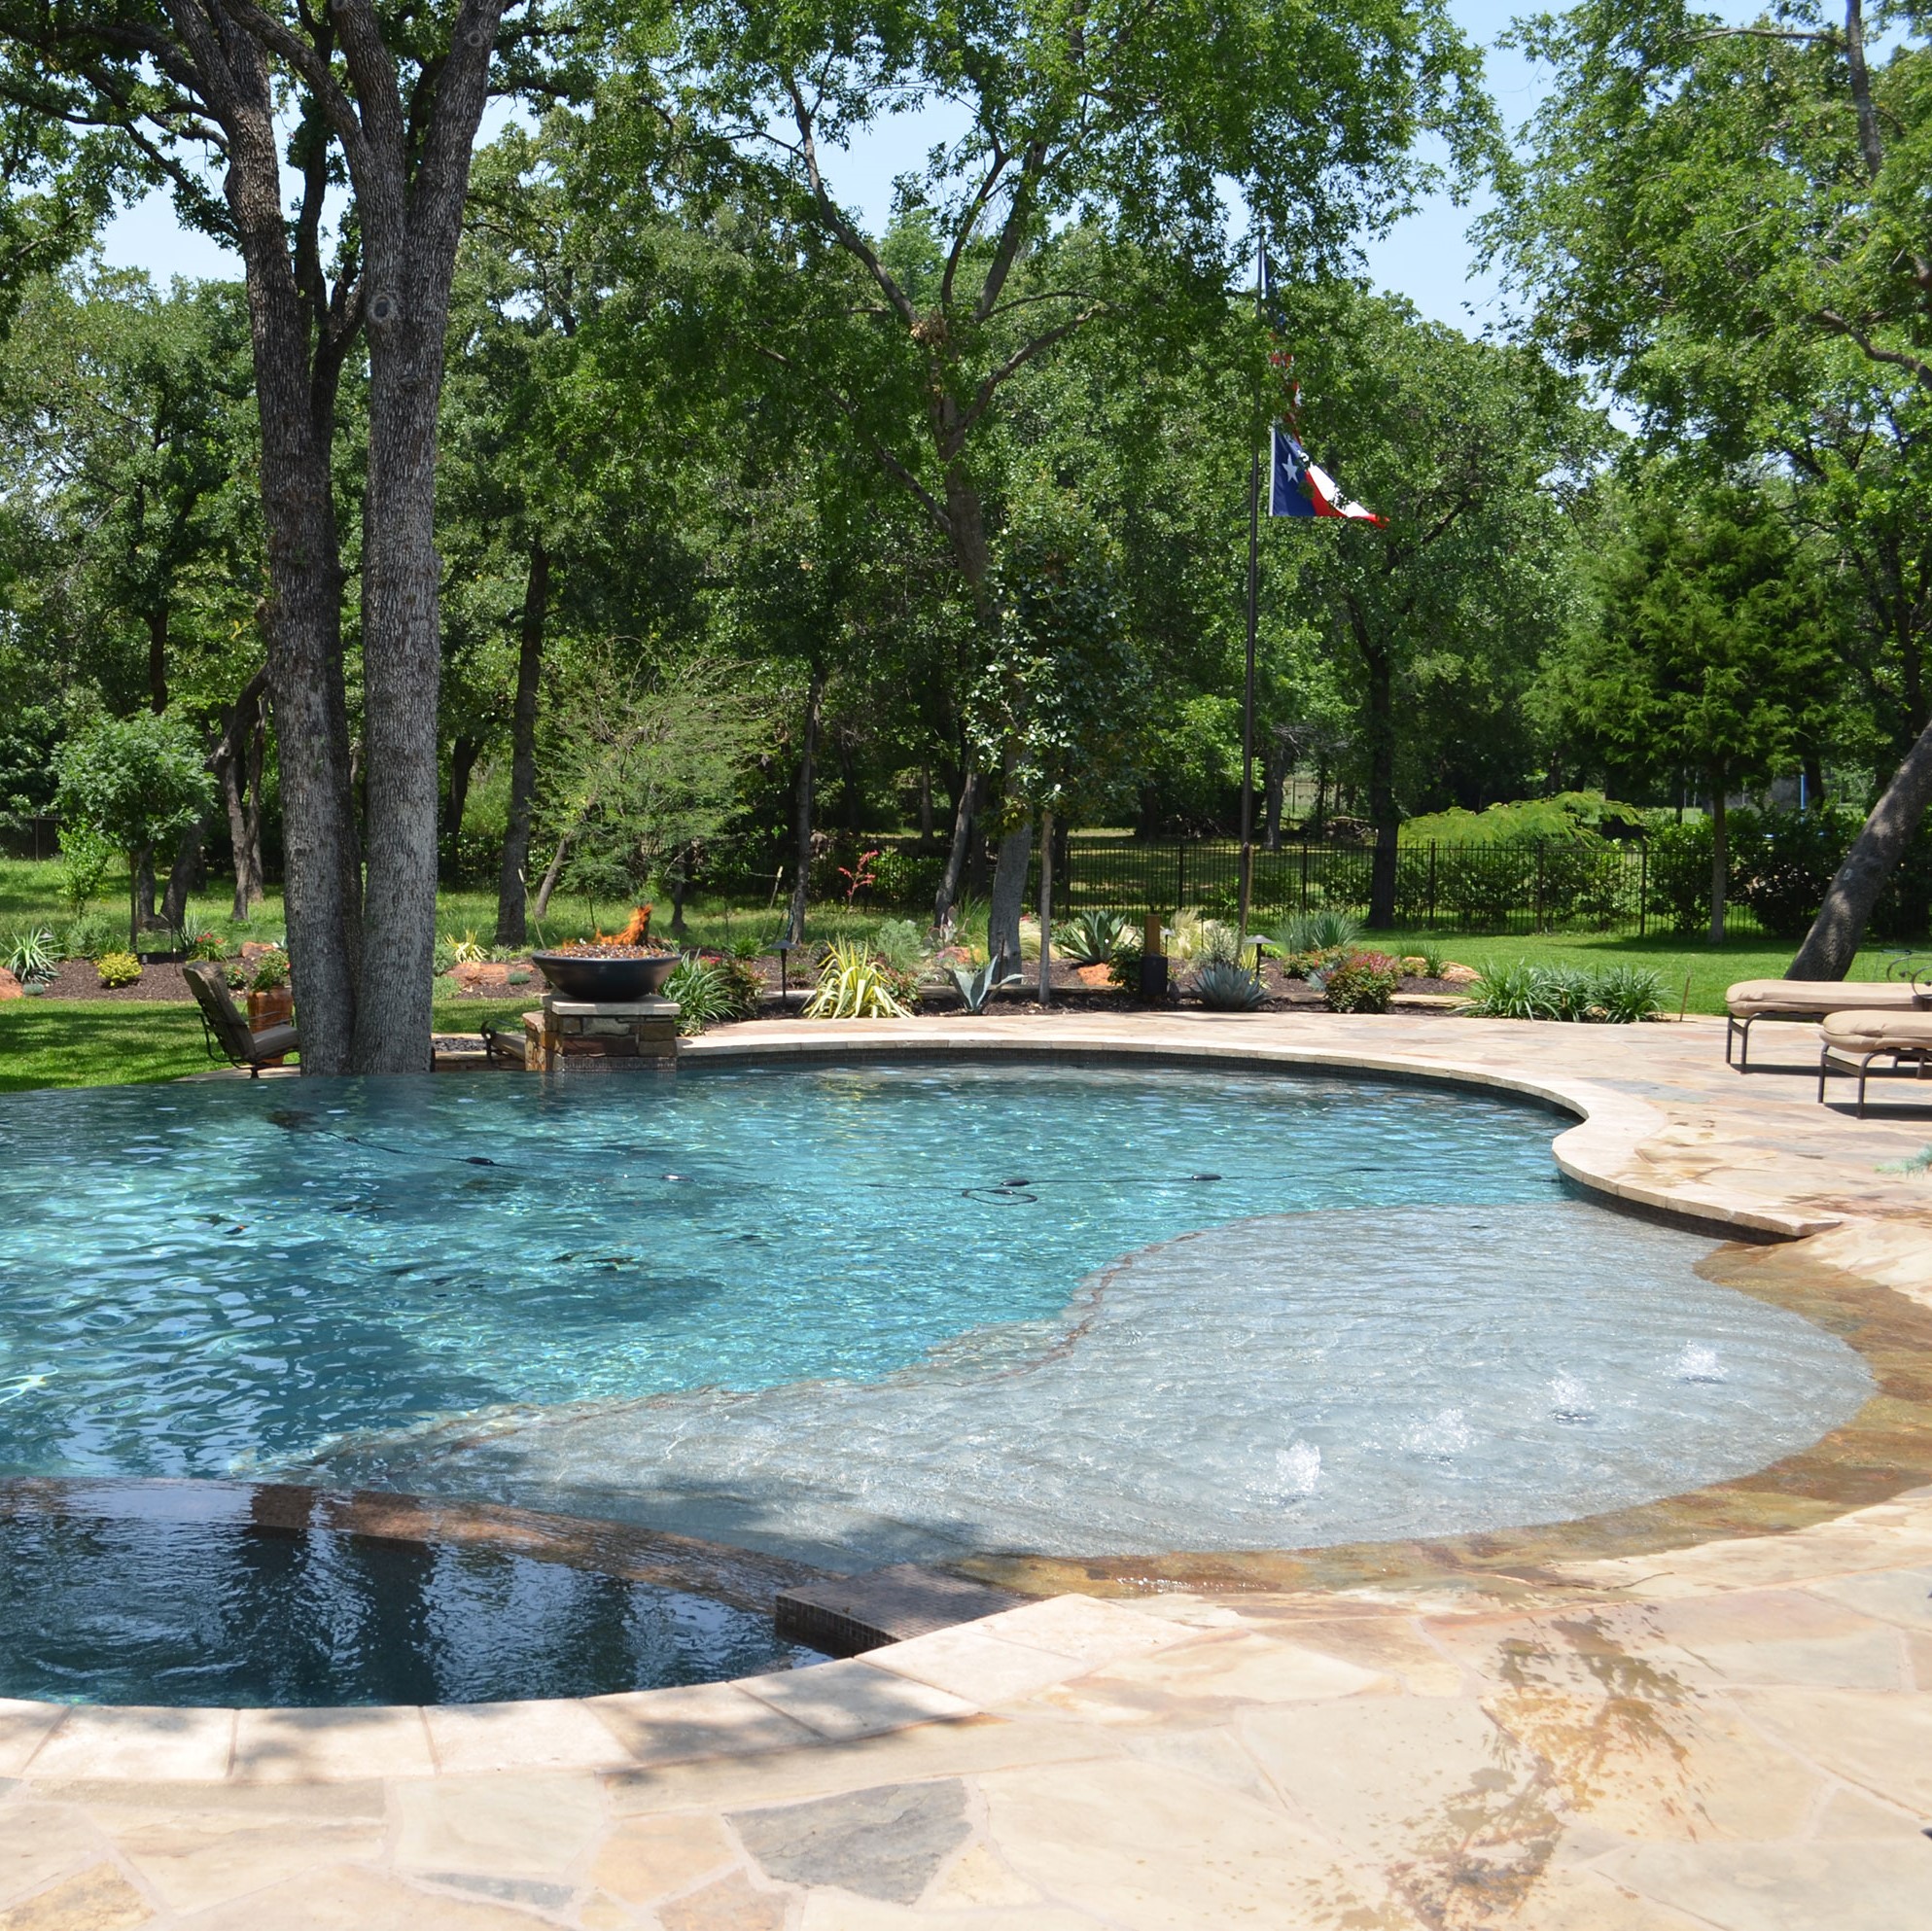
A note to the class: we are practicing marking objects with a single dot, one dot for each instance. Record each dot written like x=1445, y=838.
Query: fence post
x=1302, y=906
x=1180, y=871
x=1539, y=885
x=1643, y=886
x=1431, y=885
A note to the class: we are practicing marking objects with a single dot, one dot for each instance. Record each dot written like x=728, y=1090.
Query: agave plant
x=1091, y=939
x=853, y=983
x=976, y=984
x=1222, y=986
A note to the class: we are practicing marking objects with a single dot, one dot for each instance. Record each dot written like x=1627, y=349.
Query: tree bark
x=462, y=756
x=1721, y=856
x=511, y=881
x=553, y=872
x=1275, y=773
x=158, y=658
x=1381, y=784
x=181, y=875
x=238, y=763
x=1010, y=890
x=1046, y=909
x=954, y=874
x=801, y=810
x=1839, y=930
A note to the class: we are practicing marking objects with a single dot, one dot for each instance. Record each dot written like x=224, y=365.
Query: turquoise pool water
x=835, y=1310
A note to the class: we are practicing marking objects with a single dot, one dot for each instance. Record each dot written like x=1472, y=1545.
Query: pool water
x=111, y=1596
x=863, y=1311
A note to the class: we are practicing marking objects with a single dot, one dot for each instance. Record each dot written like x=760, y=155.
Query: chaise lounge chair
x=1809, y=1000
x=225, y=1027
x=1853, y=1040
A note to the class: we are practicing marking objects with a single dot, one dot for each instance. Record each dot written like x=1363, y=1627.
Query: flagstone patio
x=1714, y=1712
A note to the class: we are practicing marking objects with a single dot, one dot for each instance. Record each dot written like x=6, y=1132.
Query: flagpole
x=1253, y=613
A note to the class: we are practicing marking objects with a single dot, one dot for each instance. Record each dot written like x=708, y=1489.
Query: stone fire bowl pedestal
x=577, y=1035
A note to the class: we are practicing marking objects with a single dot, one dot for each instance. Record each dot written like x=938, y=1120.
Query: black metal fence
x=1544, y=886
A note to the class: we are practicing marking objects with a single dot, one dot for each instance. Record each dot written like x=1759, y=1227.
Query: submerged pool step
x=843, y=1615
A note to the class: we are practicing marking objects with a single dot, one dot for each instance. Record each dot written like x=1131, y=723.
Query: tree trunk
x=953, y=875
x=511, y=883
x=1839, y=930
x=158, y=658
x=181, y=875
x=1720, y=857
x=237, y=765
x=462, y=756
x=924, y=806
x=144, y=891
x=553, y=872
x=1274, y=778
x=681, y=884
x=801, y=811
x=1045, y=910
x=1010, y=890
x=1380, y=785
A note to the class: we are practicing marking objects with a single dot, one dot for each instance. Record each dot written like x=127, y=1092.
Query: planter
x=266, y=1009
x=595, y=981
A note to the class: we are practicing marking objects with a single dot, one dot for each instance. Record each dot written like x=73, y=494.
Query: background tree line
x=744, y=524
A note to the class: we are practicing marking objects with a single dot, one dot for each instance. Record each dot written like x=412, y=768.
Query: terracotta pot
x=266, y=1009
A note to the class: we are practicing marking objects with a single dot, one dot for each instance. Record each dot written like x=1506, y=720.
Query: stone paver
x=1711, y=1714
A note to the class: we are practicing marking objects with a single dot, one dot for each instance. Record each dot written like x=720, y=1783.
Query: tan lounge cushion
x=1757, y=998
x=1878, y=1032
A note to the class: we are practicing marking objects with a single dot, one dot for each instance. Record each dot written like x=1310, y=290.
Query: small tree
x=134, y=783
x=1060, y=699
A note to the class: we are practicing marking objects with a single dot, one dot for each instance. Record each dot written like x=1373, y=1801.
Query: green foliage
x=1222, y=986
x=977, y=983
x=710, y=991
x=1091, y=937
x=118, y=968
x=135, y=781
x=1617, y=995
x=902, y=944
x=1316, y=931
x=855, y=983
x=1362, y=982
x=269, y=973
x=209, y=945
x=902, y=877
x=1568, y=814
x=85, y=859
x=89, y=937
x=32, y=956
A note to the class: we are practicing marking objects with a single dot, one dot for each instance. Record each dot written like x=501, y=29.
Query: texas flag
x=1297, y=488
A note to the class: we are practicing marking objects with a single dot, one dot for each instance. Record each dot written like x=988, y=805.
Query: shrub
x=1363, y=982
x=1616, y=996
x=98, y=932
x=711, y=990
x=855, y=983
x=270, y=973
x=902, y=944
x=32, y=956
x=1317, y=932
x=118, y=968
x=1091, y=939
x=85, y=856
x=1222, y=986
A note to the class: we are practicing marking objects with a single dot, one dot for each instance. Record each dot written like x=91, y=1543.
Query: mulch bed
x=78, y=979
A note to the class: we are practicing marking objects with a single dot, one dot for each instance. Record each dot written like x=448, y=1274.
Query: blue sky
x=1425, y=257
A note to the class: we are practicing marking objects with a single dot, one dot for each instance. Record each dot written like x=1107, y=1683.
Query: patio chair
x=1853, y=1040
x=1808, y=1000
x=225, y=1027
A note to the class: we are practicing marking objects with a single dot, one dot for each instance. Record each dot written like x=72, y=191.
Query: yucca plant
x=1625, y=995
x=1222, y=986
x=1511, y=991
x=855, y=983
x=1090, y=938
x=32, y=956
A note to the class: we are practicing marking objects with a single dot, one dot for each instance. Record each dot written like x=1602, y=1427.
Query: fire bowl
x=604, y=981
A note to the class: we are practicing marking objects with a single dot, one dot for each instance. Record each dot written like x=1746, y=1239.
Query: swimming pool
x=865, y=1311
